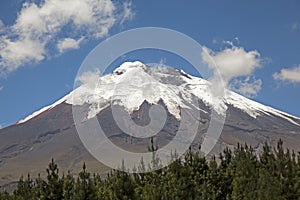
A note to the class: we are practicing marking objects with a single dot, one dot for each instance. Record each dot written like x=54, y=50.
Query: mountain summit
x=29, y=145
x=134, y=82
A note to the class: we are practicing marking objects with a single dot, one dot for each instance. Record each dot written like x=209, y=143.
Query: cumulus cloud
x=248, y=87
x=232, y=62
x=289, y=75
x=235, y=65
x=40, y=26
x=16, y=53
x=68, y=44
x=89, y=78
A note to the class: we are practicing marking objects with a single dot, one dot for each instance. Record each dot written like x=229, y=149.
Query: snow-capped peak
x=130, y=85
x=133, y=83
x=128, y=66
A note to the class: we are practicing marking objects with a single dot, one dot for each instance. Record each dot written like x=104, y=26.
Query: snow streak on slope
x=255, y=109
x=44, y=109
x=133, y=83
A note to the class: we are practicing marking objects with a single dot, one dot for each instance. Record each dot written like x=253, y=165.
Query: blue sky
x=43, y=43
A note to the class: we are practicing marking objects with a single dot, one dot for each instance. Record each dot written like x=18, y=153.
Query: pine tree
x=214, y=180
x=268, y=184
x=286, y=172
x=40, y=188
x=24, y=189
x=54, y=183
x=297, y=184
x=85, y=187
x=5, y=196
x=238, y=175
x=245, y=175
x=68, y=186
x=155, y=162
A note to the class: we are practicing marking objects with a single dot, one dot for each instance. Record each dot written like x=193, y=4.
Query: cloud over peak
x=232, y=62
x=56, y=23
x=248, y=87
x=236, y=66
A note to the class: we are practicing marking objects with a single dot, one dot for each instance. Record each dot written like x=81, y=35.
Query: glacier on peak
x=134, y=82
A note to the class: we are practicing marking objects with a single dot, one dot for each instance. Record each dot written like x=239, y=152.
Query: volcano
x=28, y=145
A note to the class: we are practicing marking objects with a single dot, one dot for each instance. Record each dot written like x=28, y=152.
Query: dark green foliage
x=245, y=173
x=237, y=174
x=54, y=189
x=68, y=186
x=24, y=189
x=85, y=187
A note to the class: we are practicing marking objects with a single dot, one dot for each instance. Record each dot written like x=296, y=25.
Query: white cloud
x=236, y=66
x=15, y=53
x=68, y=44
x=232, y=62
x=1, y=87
x=89, y=78
x=39, y=26
x=289, y=75
x=128, y=14
x=248, y=87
